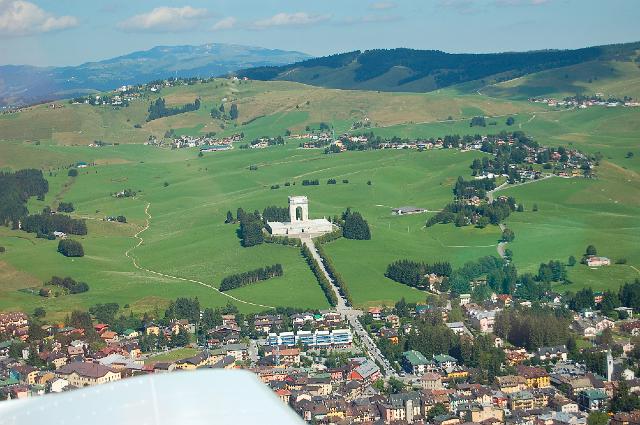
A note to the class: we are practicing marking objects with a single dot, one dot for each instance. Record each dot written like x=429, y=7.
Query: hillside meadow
x=187, y=249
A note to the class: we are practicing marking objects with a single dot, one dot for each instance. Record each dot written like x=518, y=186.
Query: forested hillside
x=425, y=70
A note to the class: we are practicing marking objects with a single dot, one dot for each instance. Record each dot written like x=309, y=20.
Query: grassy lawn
x=172, y=356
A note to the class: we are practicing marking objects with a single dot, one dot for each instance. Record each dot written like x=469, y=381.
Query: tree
x=395, y=385
x=65, y=207
x=251, y=232
x=39, y=312
x=70, y=248
x=591, y=250
x=535, y=207
x=572, y=261
x=623, y=400
x=72, y=172
x=508, y=235
x=229, y=218
x=437, y=410
x=478, y=122
x=355, y=227
x=121, y=219
x=598, y=418
x=510, y=121
x=233, y=111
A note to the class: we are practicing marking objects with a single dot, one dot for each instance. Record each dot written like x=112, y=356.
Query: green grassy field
x=173, y=355
x=188, y=249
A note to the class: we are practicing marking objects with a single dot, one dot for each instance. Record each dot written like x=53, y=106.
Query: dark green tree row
x=274, y=213
x=15, y=189
x=184, y=308
x=325, y=285
x=159, y=109
x=66, y=207
x=354, y=226
x=69, y=284
x=553, y=271
x=413, y=273
x=242, y=279
x=533, y=328
x=47, y=223
x=251, y=225
x=335, y=275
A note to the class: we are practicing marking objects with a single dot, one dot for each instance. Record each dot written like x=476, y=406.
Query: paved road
x=351, y=315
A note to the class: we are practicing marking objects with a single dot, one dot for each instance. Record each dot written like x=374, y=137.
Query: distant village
x=206, y=143
x=584, y=102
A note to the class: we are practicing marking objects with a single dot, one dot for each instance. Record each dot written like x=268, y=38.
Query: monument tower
x=300, y=223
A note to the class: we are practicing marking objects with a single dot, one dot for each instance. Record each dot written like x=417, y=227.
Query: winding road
x=184, y=279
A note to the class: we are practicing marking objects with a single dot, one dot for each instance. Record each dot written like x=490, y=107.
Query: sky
x=70, y=32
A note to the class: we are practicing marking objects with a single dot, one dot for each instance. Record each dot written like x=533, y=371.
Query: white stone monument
x=300, y=223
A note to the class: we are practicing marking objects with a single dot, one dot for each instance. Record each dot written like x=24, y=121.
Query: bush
x=39, y=312
x=331, y=181
x=73, y=172
x=2, y=249
x=508, y=235
x=121, y=219
x=66, y=207
x=478, y=122
x=70, y=248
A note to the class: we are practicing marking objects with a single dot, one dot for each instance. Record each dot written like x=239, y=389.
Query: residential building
x=83, y=374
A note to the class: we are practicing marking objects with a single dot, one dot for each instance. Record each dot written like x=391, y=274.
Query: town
x=456, y=359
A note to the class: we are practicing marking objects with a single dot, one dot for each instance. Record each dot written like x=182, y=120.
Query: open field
x=187, y=249
x=173, y=355
x=188, y=239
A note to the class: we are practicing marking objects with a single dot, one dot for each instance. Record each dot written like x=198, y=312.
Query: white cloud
x=225, y=24
x=165, y=19
x=371, y=19
x=290, y=19
x=477, y=6
x=382, y=5
x=19, y=17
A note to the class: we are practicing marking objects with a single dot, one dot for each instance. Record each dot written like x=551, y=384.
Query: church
x=300, y=223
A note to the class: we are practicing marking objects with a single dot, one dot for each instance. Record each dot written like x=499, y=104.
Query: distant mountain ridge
x=426, y=70
x=23, y=84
